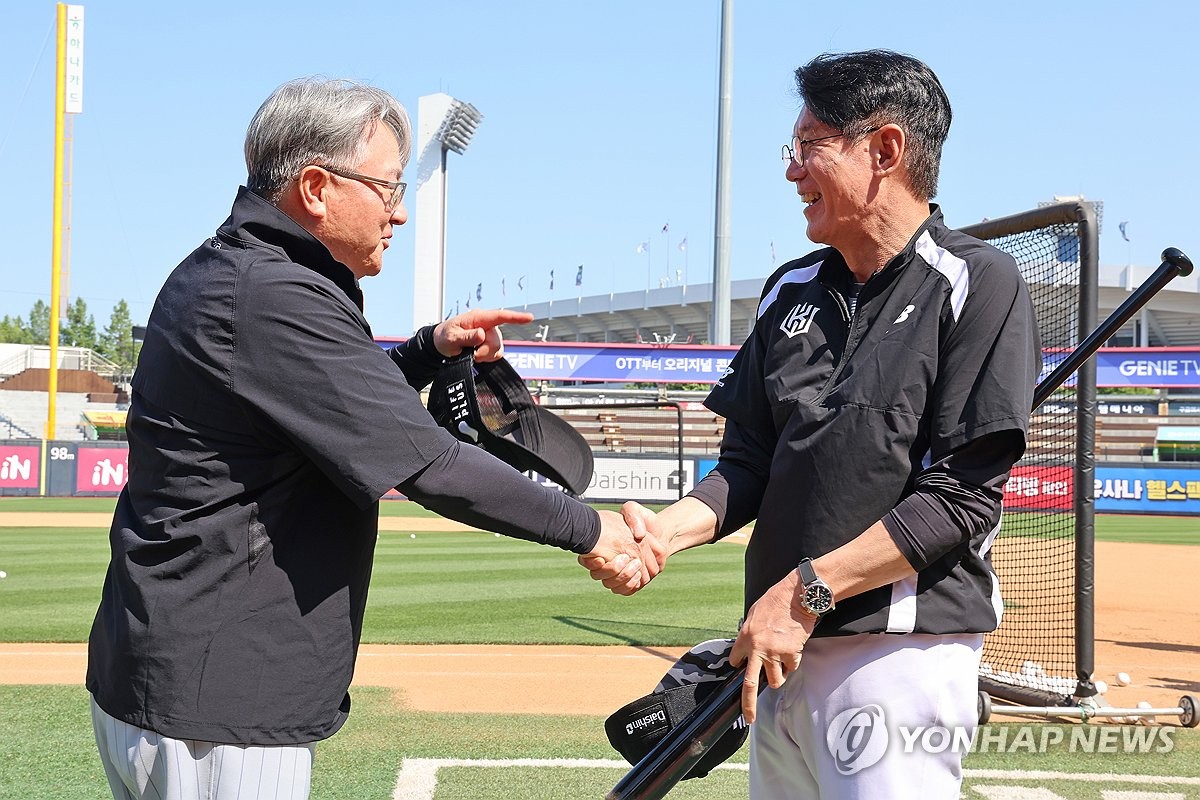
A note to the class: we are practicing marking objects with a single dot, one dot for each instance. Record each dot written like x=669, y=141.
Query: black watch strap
x=807, y=573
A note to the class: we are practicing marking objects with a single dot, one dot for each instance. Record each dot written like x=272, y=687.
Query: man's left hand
x=771, y=640
x=478, y=329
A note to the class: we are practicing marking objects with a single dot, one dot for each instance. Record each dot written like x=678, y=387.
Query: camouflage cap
x=635, y=728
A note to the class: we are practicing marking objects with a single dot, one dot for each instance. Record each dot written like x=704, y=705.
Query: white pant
x=865, y=716
x=142, y=765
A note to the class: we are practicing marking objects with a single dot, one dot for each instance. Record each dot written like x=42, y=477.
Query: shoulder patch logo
x=725, y=373
x=799, y=319
x=904, y=314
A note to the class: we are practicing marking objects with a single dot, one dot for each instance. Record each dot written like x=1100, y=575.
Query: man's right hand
x=628, y=554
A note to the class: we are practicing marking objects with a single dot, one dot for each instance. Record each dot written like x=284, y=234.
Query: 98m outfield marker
x=685, y=744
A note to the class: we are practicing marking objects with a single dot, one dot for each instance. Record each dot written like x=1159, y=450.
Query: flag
x=683, y=245
x=552, y=280
x=521, y=283
x=468, y=300
x=579, y=275
x=666, y=227
x=772, y=253
x=502, y=292
x=449, y=314
x=479, y=291
x=643, y=247
x=1124, y=235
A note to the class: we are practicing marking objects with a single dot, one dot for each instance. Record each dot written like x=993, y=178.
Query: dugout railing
x=1043, y=653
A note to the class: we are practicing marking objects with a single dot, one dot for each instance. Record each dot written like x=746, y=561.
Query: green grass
x=387, y=508
x=479, y=588
x=482, y=589
x=48, y=754
x=455, y=588
x=48, y=505
x=1138, y=529
x=53, y=583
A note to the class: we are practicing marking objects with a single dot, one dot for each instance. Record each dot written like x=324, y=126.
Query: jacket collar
x=834, y=271
x=258, y=221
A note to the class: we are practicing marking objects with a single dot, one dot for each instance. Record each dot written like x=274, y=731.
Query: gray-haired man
x=264, y=426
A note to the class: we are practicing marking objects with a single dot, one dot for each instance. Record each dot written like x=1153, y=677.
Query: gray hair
x=317, y=121
x=853, y=92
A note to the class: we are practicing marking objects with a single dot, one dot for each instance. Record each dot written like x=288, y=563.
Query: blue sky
x=599, y=129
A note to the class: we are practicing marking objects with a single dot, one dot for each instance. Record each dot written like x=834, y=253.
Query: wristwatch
x=816, y=597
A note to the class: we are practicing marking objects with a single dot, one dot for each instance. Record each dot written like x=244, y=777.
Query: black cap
x=635, y=728
x=488, y=404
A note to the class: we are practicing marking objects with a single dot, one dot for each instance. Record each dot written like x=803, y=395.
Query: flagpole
x=649, y=268
x=667, y=250
x=685, y=262
x=60, y=115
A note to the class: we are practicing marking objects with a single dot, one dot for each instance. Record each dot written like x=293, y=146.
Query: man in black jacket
x=265, y=424
x=873, y=416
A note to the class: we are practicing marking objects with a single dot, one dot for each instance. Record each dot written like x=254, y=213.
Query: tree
x=15, y=331
x=39, y=323
x=80, y=329
x=116, y=342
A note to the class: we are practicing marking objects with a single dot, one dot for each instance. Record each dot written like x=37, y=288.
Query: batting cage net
x=1042, y=653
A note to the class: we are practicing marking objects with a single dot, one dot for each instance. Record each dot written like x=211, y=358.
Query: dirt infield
x=1144, y=627
x=49, y=519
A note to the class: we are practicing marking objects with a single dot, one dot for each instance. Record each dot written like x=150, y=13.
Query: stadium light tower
x=443, y=125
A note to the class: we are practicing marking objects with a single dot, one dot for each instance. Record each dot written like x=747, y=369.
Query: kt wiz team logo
x=857, y=738
x=799, y=319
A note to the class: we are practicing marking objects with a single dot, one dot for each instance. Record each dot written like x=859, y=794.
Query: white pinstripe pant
x=915, y=679
x=142, y=765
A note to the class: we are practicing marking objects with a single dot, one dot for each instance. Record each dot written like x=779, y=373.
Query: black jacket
x=850, y=419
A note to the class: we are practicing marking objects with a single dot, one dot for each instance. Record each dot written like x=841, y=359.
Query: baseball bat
x=677, y=752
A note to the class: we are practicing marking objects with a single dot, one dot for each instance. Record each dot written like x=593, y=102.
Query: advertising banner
x=1133, y=367
x=20, y=466
x=1154, y=490
x=655, y=480
x=101, y=470
x=1036, y=488
x=1148, y=367
x=569, y=361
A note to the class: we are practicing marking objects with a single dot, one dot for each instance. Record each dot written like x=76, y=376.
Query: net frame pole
x=1082, y=215
x=1085, y=469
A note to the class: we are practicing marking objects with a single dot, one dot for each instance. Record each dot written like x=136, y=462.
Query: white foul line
x=417, y=779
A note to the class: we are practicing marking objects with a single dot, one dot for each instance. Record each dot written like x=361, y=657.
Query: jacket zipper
x=852, y=335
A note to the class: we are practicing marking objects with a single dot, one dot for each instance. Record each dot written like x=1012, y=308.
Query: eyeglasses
x=797, y=146
x=397, y=187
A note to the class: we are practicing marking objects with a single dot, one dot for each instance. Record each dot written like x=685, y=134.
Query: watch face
x=818, y=598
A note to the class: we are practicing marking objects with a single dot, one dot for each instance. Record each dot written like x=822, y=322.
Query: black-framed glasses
x=790, y=152
x=397, y=187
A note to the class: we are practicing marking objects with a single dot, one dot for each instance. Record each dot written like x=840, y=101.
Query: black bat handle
x=1174, y=262
x=1173, y=255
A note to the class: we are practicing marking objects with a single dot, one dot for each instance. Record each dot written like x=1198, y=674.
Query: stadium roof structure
x=679, y=314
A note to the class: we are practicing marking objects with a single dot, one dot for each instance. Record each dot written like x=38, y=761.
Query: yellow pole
x=68, y=188
x=60, y=113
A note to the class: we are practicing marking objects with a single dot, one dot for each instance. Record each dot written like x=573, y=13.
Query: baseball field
x=489, y=664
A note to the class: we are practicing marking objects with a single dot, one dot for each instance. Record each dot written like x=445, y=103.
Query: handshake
x=629, y=552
